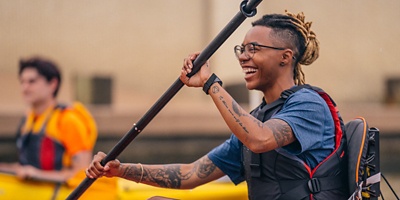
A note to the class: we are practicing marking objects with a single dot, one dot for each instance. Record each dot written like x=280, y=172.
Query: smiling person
x=279, y=152
x=53, y=140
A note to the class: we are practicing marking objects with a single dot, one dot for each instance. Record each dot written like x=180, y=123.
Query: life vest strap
x=308, y=186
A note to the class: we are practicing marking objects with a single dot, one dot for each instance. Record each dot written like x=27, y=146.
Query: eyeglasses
x=250, y=49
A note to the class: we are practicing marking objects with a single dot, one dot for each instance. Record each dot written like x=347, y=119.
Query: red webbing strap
x=334, y=112
x=338, y=127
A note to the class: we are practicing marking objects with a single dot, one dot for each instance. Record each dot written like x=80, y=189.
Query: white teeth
x=249, y=70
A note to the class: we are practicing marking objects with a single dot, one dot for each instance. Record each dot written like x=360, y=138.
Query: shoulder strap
x=19, y=141
x=61, y=106
x=20, y=125
x=275, y=106
x=58, y=106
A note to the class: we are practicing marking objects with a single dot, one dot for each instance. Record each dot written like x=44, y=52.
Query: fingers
x=188, y=62
x=100, y=155
x=198, y=79
x=184, y=78
x=95, y=169
x=187, y=65
x=111, y=165
x=19, y=172
x=112, y=168
x=26, y=172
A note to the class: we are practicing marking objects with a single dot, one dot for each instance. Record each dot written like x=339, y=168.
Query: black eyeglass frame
x=242, y=48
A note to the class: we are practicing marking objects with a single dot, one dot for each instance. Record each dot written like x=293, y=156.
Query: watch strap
x=213, y=78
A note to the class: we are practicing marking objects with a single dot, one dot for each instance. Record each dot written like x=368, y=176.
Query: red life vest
x=40, y=150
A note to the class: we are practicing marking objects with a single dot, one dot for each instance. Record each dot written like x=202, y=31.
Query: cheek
x=268, y=75
x=264, y=69
x=40, y=90
x=46, y=91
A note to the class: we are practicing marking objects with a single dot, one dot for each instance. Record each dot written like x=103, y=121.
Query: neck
x=273, y=93
x=39, y=107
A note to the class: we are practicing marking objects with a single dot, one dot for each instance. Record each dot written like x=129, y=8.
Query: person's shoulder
x=68, y=115
x=306, y=94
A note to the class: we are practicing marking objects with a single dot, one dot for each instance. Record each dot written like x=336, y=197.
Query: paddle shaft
x=247, y=9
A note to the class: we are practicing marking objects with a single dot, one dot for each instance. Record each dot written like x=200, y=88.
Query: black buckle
x=314, y=186
x=286, y=93
x=255, y=170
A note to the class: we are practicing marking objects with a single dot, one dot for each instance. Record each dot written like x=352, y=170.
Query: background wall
x=140, y=45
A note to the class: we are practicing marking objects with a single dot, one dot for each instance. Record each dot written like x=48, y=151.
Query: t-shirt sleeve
x=311, y=122
x=73, y=133
x=227, y=157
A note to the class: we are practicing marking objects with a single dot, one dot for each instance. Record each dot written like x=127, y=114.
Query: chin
x=29, y=100
x=250, y=86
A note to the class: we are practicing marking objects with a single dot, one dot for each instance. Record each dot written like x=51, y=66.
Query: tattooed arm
x=256, y=135
x=178, y=176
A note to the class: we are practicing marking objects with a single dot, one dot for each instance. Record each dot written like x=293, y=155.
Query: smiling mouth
x=249, y=71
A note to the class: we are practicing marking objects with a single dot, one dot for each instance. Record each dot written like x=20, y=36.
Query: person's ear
x=53, y=83
x=287, y=57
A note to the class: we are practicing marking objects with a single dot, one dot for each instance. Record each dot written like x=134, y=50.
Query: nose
x=24, y=85
x=242, y=57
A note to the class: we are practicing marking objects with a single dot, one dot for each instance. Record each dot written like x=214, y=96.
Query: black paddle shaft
x=247, y=9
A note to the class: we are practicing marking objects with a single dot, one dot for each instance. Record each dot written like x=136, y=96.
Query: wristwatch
x=213, y=78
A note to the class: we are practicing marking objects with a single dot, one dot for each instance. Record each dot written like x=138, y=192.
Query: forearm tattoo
x=215, y=89
x=170, y=176
x=281, y=131
x=238, y=111
x=131, y=172
x=255, y=120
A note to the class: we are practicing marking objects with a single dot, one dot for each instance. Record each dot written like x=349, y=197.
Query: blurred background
x=118, y=57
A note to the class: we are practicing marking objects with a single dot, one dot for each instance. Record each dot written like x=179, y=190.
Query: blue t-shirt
x=312, y=124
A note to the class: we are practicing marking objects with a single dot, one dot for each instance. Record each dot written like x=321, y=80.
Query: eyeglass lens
x=248, y=50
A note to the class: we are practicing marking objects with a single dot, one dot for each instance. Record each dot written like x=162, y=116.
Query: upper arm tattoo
x=282, y=132
x=204, y=167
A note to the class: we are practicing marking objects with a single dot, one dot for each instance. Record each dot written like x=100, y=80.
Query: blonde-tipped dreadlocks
x=311, y=52
x=297, y=35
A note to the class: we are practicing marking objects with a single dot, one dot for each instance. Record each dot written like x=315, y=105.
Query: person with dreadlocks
x=281, y=153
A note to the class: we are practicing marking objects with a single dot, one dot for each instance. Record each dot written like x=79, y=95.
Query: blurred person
x=55, y=142
x=294, y=148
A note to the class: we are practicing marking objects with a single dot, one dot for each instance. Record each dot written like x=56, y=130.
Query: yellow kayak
x=116, y=188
